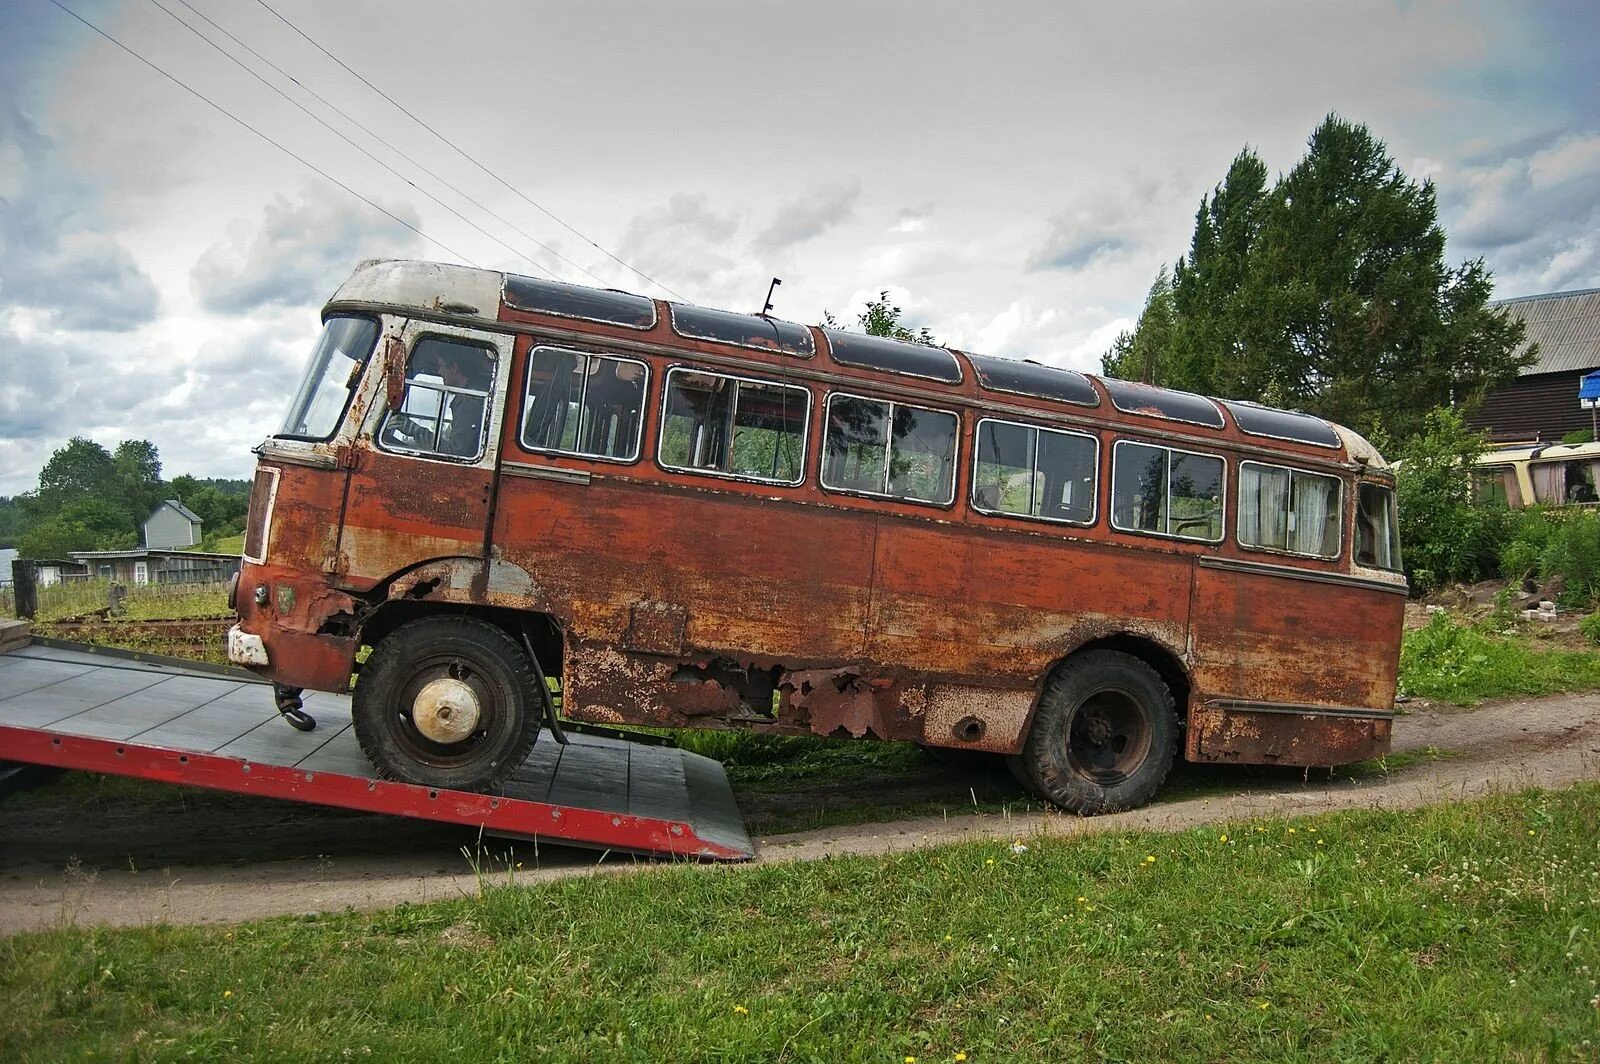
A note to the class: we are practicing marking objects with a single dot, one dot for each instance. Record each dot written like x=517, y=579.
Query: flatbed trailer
x=74, y=706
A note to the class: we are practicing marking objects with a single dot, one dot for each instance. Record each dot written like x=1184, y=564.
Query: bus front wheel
x=447, y=702
x=1104, y=736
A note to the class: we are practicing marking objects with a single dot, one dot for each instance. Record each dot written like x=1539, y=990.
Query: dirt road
x=102, y=852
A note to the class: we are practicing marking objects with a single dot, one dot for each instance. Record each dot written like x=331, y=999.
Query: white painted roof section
x=1358, y=448
x=458, y=290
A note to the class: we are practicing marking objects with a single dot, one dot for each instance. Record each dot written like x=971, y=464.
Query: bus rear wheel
x=447, y=702
x=1104, y=736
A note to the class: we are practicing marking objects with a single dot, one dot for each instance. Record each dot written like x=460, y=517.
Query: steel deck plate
x=91, y=709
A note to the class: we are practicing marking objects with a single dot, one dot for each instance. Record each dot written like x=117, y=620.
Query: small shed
x=1542, y=404
x=171, y=524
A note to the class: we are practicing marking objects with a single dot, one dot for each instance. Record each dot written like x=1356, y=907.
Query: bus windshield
x=330, y=377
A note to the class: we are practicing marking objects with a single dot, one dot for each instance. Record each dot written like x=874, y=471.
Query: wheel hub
x=446, y=710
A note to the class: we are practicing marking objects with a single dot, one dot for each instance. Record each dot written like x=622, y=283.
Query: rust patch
x=1242, y=736
x=656, y=628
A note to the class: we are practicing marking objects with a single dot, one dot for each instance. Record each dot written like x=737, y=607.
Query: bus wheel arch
x=1105, y=730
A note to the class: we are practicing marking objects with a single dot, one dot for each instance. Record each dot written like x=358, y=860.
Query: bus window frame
x=527, y=405
x=445, y=391
x=1111, y=510
x=661, y=428
x=972, y=485
x=366, y=364
x=822, y=453
x=1338, y=551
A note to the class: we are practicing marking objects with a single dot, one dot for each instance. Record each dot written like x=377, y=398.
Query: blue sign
x=1589, y=387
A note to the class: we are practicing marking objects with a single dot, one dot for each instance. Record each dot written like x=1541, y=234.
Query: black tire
x=1104, y=736
x=477, y=667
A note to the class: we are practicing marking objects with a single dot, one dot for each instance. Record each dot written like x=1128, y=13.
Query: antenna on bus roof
x=776, y=281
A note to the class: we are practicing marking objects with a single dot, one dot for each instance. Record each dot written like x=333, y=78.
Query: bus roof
x=461, y=291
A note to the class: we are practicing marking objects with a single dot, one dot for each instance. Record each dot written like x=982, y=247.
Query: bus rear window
x=734, y=427
x=582, y=404
x=881, y=448
x=1377, y=531
x=1166, y=491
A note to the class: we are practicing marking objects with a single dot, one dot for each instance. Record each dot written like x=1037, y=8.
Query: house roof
x=1565, y=325
x=182, y=509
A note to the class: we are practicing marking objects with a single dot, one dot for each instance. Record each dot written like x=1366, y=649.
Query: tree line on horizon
x=91, y=498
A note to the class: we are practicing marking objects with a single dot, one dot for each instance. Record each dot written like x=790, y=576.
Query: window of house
x=877, y=447
x=1289, y=510
x=444, y=411
x=731, y=426
x=1166, y=491
x=584, y=404
x=1377, y=529
x=1029, y=471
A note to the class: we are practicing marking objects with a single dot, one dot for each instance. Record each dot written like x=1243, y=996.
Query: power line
x=197, y=94
x=368, y=131
x=236, y=61
x=463, y=153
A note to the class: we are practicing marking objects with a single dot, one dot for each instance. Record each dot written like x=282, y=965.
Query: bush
x=1590, y=627
x=1445, y=536
x=1559, y=547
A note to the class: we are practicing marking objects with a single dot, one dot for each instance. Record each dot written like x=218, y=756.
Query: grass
x=1449, y=661
x=1463, y=932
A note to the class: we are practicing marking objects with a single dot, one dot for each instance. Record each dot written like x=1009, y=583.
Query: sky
x=1013, y=174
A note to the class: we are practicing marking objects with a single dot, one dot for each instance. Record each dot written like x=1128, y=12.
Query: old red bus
x=697, y=518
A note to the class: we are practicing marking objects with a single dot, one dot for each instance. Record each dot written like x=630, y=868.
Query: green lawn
x=1463, y=932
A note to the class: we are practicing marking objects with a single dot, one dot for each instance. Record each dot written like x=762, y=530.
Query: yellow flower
x=947, y=938
x=960, y=1056
x=989, y=861
x=1262, y=1006
x=913, y=1060
x=1150, y=859
x=227, y=993
x=1081, y=899
x=741, y=1010
x=1530, y=831
x=1319, y=842
x=1224, y=838
x=1291, y=831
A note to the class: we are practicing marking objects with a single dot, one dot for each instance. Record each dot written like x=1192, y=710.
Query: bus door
x=421, y=483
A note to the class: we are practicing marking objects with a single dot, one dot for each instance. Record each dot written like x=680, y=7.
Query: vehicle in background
x=1550, y=474
x=694, y=518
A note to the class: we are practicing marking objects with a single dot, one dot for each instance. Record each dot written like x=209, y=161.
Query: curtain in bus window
x=1004, y=479
x=1263, y=506
x=922, y=455
x=1549, y=482
x=555, y=386
x=1139, y=487
x=1196, y=489
x=857, y=441
x=1314, y=512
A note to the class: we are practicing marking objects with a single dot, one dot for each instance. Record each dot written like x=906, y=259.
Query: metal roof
x=178, y=506
x=1565, y=325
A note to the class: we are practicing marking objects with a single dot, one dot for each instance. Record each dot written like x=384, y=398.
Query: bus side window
x=732, y=426
x=877, y=447
x=583, y=404
x=1166, y=491
x=445, y=407
x=1289, y=510
x=1027, y=471
x=1377, y=530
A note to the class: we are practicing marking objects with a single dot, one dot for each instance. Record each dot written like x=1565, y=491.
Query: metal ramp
x=80, y=707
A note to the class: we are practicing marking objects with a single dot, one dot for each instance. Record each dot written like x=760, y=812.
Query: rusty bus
x=696, y=518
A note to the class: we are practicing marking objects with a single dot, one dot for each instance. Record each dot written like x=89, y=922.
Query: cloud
x=55, y=257
x=300, y=251
x=686, y=243
x=1075, y=241
x=809, y=216
x=1534, y=215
